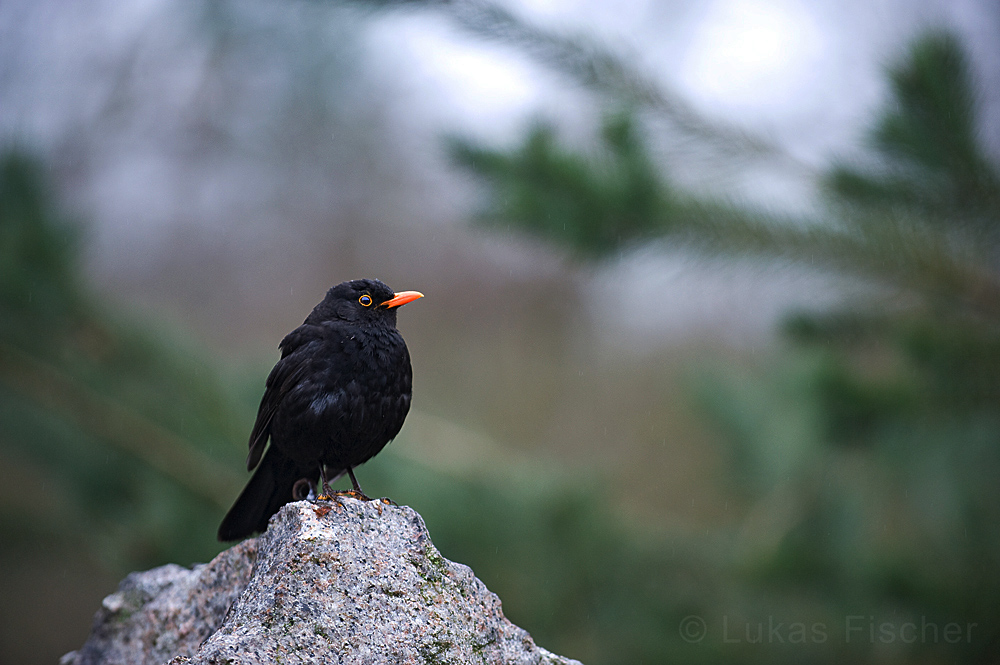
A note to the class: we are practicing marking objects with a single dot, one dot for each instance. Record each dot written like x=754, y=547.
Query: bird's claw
x=333, y=498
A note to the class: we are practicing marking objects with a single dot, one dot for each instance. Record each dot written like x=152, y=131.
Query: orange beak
x=402, y=298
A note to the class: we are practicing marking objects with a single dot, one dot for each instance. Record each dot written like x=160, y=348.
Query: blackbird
x=337, y=396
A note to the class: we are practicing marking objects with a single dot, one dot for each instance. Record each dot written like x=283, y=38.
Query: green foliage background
x=864, y=456
x=868, y=451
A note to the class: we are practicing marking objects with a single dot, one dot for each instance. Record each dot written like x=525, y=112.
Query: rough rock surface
x=358, y=583
x=167, y=611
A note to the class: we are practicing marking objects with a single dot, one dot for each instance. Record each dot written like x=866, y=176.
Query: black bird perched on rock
x=339, y=393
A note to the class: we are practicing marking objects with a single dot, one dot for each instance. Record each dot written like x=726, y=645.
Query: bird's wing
x=285, y=375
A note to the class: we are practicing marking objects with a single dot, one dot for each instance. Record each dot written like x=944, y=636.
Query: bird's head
x=361, y=300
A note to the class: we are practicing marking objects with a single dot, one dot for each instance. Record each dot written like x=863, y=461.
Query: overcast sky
x=808, y=71
x=155, y=139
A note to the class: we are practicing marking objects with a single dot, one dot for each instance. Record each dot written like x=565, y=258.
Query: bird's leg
x=361, y=495
x=354, y=481
x=327, y=492
x=357, y=493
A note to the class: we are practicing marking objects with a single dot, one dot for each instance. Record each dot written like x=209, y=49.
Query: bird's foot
x=333, y=497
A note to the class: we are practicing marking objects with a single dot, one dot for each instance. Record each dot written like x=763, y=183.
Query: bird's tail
x=269, y=489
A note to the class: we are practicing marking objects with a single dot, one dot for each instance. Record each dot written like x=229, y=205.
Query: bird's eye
x=365, y=300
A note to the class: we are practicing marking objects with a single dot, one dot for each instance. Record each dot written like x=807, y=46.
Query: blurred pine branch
x=929, y=159
x=595, y=203
x=103, y=418
x=868, y=451
x=588, y=62
x=123, y=427
x=924, y=220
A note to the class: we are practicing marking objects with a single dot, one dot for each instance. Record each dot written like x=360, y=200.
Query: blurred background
x=708, y=369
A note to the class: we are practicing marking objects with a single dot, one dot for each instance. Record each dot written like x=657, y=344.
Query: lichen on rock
x=354, y=583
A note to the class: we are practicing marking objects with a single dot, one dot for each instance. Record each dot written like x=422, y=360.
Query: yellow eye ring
x=365, y=300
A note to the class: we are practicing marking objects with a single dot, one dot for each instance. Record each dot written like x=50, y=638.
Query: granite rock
x=166, y=612
x=355, y=582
